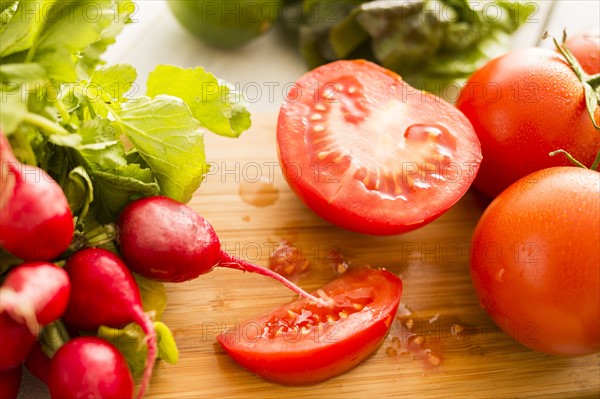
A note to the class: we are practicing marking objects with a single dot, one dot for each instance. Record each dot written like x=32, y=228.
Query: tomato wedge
x=300, y=343
x=367, y=152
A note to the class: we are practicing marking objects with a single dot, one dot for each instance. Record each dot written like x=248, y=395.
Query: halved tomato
x=367, y=152
x=302, y=343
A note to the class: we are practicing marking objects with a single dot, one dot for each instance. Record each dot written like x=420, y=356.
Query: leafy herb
x=65, y=113
x=430, y=43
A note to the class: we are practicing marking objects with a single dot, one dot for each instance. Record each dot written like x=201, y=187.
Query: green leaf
x=22, y=29
x=16, y=74
x=121, y=13
x=58, y=49
x=115, y=81
x=12, y=112
x=347, y=36
x=18, y=82
x=212, y=103
x=118, y=186
x=404, y=34
x=116, y=183
x=167, y=347
x=79, y=191
x=71, y=140
x=427, y=42
x=154, y=296
x=170, y=140
x=130, y=342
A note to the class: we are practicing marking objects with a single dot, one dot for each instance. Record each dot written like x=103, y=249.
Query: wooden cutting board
x=476, y=359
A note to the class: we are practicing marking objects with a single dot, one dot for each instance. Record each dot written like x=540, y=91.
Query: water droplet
x=259, y=193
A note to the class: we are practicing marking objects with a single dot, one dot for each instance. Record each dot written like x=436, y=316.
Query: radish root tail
x=232, y=262
x=144, y=321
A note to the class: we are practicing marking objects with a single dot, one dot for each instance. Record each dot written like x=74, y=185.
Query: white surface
x=260, y=70
x=263, y=69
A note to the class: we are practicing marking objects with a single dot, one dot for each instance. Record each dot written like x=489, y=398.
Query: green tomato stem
x=589, y=83
x=596, y=162
x=569, y=157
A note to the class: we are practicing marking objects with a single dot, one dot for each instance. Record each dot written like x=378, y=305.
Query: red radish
x=10, y=382
x=104, y=293
x=35, y=293
x=166, y=240
x=38, y=364
x=89, y=367
x=36, y=222
x=16, y=341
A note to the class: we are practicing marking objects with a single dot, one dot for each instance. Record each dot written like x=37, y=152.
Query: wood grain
x=432, y=261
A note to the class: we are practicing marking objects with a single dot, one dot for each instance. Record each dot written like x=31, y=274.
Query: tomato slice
x=301, y=343
x=366, y=151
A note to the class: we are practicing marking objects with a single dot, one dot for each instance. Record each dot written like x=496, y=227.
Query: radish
x=165, y=240
x=16, y=341
x=105, y=293
x=10, y=382
x=35, y=293
x=38, y=364
x=89, y=367
x=36, y=222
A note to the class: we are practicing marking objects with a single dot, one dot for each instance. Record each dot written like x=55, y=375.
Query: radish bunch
x=160, y=238
x=95, y=288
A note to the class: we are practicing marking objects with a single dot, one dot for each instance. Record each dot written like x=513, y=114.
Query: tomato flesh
x=367, y=152
x=535, y=261
x=301, y=343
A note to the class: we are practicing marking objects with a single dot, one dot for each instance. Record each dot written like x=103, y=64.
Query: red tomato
x=535, y=261
x=586, y=48
x=366, y=151
x=300, y=343
x=523, y=106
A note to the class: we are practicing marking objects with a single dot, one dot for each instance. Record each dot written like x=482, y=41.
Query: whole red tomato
x=586, y=48
x=523, y=106
x=535, y=261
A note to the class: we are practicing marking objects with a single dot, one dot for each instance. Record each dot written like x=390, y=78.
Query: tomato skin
x=523, y=106
x=318, y=356
x=586, y=49
x=336, y=194
x=535, y=261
